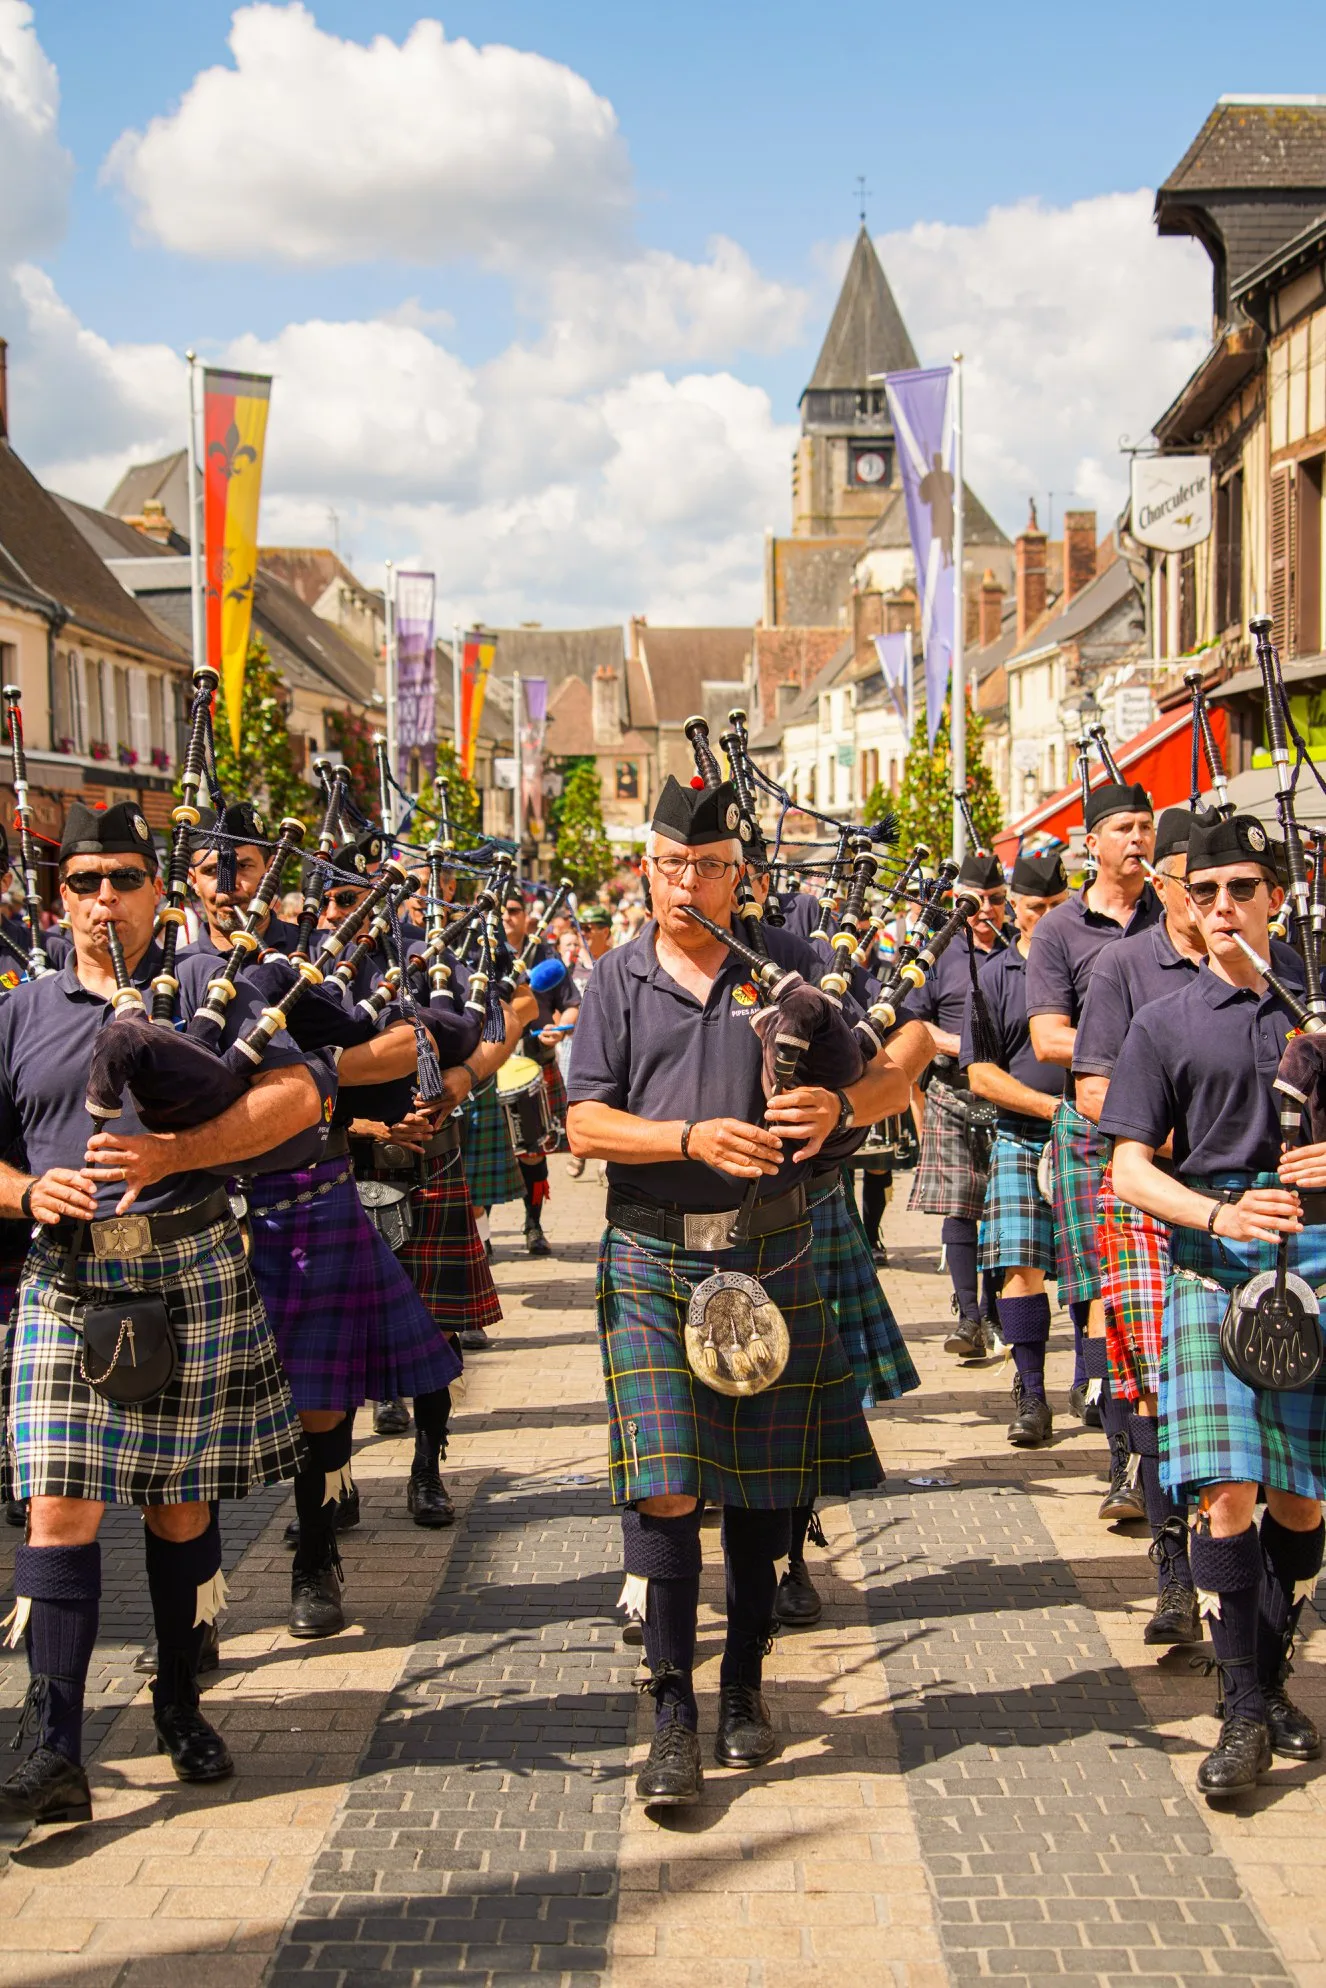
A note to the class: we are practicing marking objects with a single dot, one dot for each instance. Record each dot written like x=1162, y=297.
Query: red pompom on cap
x=696, y=781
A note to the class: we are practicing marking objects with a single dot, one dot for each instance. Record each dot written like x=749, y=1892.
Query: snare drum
x=524, y=1097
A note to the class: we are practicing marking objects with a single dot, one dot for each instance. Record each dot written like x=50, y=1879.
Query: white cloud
x=320, y=150
x=1078, y=325
x=35, y=170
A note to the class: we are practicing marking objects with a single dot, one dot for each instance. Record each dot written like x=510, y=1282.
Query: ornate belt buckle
x=709, y=1232
x=395, y=1156
x=122, y=1235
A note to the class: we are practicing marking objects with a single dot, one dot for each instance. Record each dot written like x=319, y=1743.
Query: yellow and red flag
x=234, y=430
x=476, y=661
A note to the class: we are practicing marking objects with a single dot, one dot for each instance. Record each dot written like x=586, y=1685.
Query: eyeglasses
x=995, y=900
x=86, y=883
x=1241, y=889
x=344, y=900
x=708, y=868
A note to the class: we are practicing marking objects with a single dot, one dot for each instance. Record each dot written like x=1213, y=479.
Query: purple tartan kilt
x=348, y=1323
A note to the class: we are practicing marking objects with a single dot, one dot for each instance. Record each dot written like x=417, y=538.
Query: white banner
x=1171, y=501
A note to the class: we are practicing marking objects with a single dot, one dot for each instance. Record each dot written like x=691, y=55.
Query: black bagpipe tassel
x=430, y=1086
x=985, y=1045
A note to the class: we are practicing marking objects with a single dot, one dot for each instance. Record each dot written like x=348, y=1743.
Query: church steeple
x=866, y=334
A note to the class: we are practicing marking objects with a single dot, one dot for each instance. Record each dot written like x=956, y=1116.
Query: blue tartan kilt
x=1213, y=1429
x=1017, y=1222
x=491, y=1173
x=803, y=1438
x=849, y=1282
x=348, y=1323
x=1080, y=1157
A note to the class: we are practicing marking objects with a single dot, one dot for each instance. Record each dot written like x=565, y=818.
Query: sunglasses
x=344, y=900
x=86, y=883
x=995, y=899
x=1241, y=889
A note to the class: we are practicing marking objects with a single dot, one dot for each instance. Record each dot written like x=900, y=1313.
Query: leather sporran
x=129, y=1353
x=388, y=1209
x=1270, y=1336
x=736, y=1338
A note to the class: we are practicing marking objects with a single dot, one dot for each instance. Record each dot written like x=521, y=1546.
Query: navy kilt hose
x=849, y=1283
x=948, y=1181
x=803, y=1438
x=490, y=1164
x=1080, y=1156
x=1134, y=1267
x=1017, y=1222
x=444, y=1257
x=348, y=1323
x=225, y=1422
x=1213, y=1429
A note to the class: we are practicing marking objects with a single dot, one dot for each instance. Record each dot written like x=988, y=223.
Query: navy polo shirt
x=1003, y=982
x=1200, y=1064
x=276, y=936
x=643, y=1044
x=801, y=912
x=55, y=945
x=942, y=998
x=1066, y=945
x=47, y=1031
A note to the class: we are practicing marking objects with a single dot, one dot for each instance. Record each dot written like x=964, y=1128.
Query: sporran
x=736, y=1338
x=1270, y=1336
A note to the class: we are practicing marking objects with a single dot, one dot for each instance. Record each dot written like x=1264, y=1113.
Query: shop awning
x=1160, y=758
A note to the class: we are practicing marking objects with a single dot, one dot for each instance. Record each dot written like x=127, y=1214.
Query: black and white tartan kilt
x=223, y=1425
x=803, y=1438
x=1213, y=1429
x=490, y=1163
x=1017, y=1222
x=1080, y=1156
x=849, y=1282
x=948, y=1181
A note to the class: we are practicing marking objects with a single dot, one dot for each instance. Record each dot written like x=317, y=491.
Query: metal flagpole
x=958, y=704
x=518, y=799
x=909, y=683
x=456, y=659
x=198, y=619
x=390, y=595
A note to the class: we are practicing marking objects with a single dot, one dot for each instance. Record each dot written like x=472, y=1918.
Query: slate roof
x=167, y=480
x=1097, y=599
x=1252, y=142
x=678, y=664
x=866, y=333
x=111, y=538
x=557, y=653
x=890, y=529
x=310, y=570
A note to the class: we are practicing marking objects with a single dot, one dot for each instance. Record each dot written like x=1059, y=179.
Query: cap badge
x=1256, y=836
x=360, y=864
x=733, y=815
x=141, y=829
x=258, y=827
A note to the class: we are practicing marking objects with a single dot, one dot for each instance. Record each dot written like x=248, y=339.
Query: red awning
x=1160, y=758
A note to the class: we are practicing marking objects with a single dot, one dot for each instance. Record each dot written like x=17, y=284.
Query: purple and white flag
x=533, y=728
x=921, y=405
x=416, y=729
x=895, y=659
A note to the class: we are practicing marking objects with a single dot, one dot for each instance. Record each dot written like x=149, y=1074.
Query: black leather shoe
x=1123, y=1502
x=745, y=1736
x=474, y=1339
x=536, y=1243
x=16, y=1511
x=1239, y=1757
x=879, y=1255
x=1293, y=1734
x=1177, y=1618
x=46, y=1788
x=197, y=1750
x=315, y=1602
x=428, y=1501
x=672, y=1774
x=968, y=1339
x=1032, y=1422
x=390, y=1418
x=796, y=1602
x=209, y=1657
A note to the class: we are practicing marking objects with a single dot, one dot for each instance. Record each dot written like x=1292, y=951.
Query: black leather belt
x=387, y=1159
x=444, y=1142
x=704, y=1231
x=337, y=1143
x=135, y=1235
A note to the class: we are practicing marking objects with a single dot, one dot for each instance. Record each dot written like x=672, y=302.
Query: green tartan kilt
x=491, y=1173
x=1080, y=1157
x=1213, y=1429
x=847, y=1277
x=670, y=1435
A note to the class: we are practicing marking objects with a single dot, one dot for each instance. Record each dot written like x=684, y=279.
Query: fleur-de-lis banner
x=415, y=729
x=476, y=661
x=921, y=405
x=234, y=430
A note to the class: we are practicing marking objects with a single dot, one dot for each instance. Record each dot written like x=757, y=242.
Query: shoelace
x=744, y=1699
x=32, y=1713
x=28, y=1776
x=669, y=1740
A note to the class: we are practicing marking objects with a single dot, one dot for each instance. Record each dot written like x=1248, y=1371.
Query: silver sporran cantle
x=736, y=1338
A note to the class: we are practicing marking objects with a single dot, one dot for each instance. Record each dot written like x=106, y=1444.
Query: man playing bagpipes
x=1242, y=1399
x=136, y=1279
x=733, y=1387
x=1017, y=1230
x=1118, y=901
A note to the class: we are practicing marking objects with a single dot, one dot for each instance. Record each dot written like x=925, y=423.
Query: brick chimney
x=153, y=522
x=1029, y=549
x=607, y=720
x=4, y=389
x=992, y=609
x=1079, y=552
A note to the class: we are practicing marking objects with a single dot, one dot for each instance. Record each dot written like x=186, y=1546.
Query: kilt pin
x=947, y=1180
x=1017, y=1222
x=1080, y=1156
x=849, y=1282
x=1134, y=1268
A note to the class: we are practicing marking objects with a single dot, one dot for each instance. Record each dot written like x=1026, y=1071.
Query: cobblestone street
x=982, y=1771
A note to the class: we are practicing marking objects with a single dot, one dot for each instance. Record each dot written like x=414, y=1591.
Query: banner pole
x=455, y=689
x=198, y=620
x=390, y=599
x=910, y=688
x=958, y=702
x=518, y=798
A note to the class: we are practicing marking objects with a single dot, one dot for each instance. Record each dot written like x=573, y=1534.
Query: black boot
x=45, y=1788
x=1177, y=1619
x=752, y=1543
x=427, y=1500
x=1123, y=1502
x=348, y=1516
x=1293, y=1562
x=536, y=1243
x=1032, y=1422
x=970, y=1339
x=315, y=1596
x=315, y=1578
x=197, y=1751
x=147, y=1662
x=797, y=1604
x=182, y=1581
x=390, y=1418
x=62, y=1587
x=1231, y=1570
x=672, y=1774
x=1237, y=1761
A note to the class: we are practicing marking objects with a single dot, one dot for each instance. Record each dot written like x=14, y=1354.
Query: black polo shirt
x=1066, y=945
x=942, y=997
x=643, y=1044
x=276, y=936
x=1003, y=983
x=1200, y=1063
x=47, y=1031
x=54, y=944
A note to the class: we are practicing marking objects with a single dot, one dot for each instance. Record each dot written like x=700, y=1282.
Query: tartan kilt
x=1080, y=1156
x=555, y=1084
x=1213, y=1429
x=948, y=1181
x=224, y=1424
x=348, y=1323
x=15, y=1238
x=444, y=1257
x=849, y=1282
x=1017, y=1222
x=803, y=1438
x=1134, y=1265
x=491, y=1172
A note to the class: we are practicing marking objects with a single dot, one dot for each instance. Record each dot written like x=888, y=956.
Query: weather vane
x=862, y=195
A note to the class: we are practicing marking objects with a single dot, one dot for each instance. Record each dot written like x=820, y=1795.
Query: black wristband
x=686, y=1132
x=1216, y=1206
x=25, y=1202
x=846, y=1115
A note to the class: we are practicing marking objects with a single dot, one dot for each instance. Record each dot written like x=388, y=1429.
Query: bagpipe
x=36, y=962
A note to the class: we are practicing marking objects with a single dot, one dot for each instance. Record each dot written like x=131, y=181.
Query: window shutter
x=78, y=698
x=140, y=716
x=1281, y=601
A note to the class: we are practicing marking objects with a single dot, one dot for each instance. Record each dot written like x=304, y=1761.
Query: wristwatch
x=846, y=1115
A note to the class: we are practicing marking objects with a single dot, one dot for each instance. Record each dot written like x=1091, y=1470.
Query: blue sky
x=994, y=149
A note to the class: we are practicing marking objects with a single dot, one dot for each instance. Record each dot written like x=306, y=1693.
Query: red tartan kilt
x=1134, y=1261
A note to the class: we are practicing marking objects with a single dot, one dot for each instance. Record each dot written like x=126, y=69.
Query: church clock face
x=870, y=466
